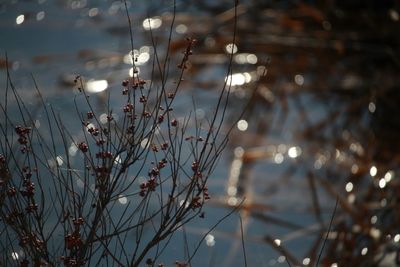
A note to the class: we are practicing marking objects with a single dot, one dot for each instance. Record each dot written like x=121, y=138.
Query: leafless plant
x=56, y=210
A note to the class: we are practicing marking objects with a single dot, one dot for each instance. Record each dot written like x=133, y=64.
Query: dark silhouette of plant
x=59, y=191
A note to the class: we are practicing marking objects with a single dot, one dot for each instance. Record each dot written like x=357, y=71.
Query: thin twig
x=327, y=233
x=242, y=237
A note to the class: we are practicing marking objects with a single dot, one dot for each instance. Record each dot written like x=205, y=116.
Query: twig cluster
x=59, y=193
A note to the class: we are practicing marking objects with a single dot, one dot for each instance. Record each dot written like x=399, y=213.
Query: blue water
x=60, y=39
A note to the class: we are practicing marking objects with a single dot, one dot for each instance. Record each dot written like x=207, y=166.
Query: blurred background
x=319, y=83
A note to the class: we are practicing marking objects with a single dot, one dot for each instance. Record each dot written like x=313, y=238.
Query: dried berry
x=164, y=146
x=90, y=115
x=2, y=159
x=195, y=166
x=83, y=147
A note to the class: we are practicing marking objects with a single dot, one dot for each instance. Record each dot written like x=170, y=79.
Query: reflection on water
x=152, y=23
x=321, y=124
x=20, y=19
x=96, y=86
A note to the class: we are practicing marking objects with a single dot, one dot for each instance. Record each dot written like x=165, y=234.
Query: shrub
x=56, y=210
